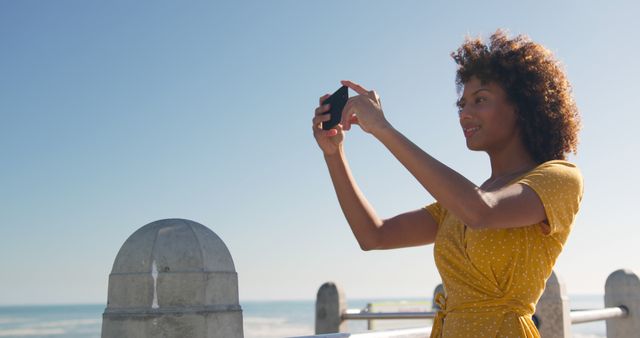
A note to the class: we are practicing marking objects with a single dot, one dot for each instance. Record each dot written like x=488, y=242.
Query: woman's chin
x=472, y=146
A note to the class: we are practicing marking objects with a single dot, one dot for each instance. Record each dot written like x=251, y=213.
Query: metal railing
x=577, y=315
x=594, y=315
x=357, y=314
x=552, y=318
x=420, y=332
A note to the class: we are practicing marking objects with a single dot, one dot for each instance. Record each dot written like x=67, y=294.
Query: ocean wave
x=69, y=323
x=12, y=320
x=51, y=328
x=30, y=331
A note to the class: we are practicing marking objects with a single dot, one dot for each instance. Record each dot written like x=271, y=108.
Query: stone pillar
x=552, y=311
x=173, y=278
x=623, y=289
x=331, y=303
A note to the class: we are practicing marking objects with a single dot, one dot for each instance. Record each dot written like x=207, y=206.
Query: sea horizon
x=571, y=295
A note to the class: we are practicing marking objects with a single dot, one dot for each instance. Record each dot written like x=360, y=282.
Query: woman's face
x=488, y=120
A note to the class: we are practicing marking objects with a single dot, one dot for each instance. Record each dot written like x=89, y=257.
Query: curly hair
x=534, y=82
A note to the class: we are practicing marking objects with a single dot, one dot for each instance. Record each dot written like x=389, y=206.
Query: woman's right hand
x=330, y=141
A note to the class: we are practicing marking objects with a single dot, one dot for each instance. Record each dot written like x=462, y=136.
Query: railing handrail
x=418, y=332
x=357, y=314
x=577, y=315
x=593, y=315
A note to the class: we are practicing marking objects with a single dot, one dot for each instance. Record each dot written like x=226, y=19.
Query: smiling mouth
x=468, y=132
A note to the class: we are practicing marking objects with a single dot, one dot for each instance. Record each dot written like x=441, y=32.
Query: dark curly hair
x=534, y=82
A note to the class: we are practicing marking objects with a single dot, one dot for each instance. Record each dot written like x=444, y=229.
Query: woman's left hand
x=364, y=109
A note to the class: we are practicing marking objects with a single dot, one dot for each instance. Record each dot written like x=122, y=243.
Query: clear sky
x=115, y=114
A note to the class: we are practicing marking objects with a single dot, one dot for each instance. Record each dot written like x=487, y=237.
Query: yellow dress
x=493, y=278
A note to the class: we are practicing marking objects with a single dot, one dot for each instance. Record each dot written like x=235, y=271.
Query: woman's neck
x=510, y=161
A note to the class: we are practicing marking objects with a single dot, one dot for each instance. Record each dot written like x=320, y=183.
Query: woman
x=494, y=244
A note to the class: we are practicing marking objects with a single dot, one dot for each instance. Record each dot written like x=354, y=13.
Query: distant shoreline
x=355, y=300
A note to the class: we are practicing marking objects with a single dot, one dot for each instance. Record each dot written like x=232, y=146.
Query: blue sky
x=116, y=114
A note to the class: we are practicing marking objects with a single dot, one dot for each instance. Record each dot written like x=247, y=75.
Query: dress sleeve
x=436, y=211
x=558, y=184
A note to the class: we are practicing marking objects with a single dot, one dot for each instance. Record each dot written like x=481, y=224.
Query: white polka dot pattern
x=494, y=277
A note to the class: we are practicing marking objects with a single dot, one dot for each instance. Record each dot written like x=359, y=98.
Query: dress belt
x=497, y=306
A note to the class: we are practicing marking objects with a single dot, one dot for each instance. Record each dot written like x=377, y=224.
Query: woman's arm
x=409, y=229
x=511, y=206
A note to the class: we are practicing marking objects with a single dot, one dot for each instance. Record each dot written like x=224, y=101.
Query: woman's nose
x=464, y=113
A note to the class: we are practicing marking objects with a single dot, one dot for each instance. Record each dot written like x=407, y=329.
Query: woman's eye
x=481, y=99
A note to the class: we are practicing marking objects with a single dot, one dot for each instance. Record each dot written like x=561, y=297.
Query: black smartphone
x=337, y=102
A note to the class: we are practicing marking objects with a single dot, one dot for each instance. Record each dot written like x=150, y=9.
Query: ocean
x=262, y=319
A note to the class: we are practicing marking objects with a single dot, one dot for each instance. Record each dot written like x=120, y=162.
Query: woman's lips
x=469, y=131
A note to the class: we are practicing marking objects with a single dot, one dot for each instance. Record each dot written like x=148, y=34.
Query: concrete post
x=623, y=288
x=173, y=278
x=552, y=311
x=331, y=303
x=439, y=289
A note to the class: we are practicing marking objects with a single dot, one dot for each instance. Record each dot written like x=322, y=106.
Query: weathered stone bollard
x=552, y=311
x=173, y=278
x=330, y=304
x=623, y=288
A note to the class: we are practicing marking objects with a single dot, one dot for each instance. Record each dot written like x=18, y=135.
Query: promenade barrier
x=176, y=278
x=552, y=317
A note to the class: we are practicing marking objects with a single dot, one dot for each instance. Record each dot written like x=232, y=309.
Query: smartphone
x=337, y=101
